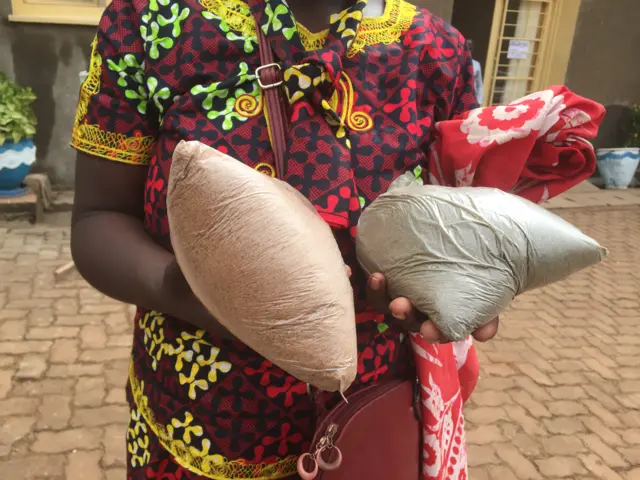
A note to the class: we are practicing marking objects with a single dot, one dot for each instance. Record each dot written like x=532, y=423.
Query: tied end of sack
x=183, y=156
x=336, y=380
x=184, y=164
x=346, y=380
x=604, y=252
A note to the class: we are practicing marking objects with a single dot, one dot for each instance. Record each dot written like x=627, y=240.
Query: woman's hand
x=182, y=303
x=403, y=310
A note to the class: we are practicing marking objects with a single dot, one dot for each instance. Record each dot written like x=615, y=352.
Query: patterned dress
x=364, y=97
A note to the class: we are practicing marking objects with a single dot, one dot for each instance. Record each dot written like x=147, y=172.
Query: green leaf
x=633, y=128
x=17, y=119
x=382, y=327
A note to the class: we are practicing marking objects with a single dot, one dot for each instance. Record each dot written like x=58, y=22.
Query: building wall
x=473, y=18
x=605, y=63
x=49, y=59
x=442, y=8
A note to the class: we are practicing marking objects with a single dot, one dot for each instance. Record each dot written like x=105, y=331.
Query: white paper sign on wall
x=518, y=49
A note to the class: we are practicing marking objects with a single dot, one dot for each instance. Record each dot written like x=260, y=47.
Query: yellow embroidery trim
x=387, y=29
x=92, y=139
x=236, y=13
x=206, y=465
x=397, y=18
x=248, y=106
x=91, y=84
x=312, y=41
x=266, y=169
x=356, y=120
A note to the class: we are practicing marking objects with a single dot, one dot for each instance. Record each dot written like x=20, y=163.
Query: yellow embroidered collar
x=386, y=29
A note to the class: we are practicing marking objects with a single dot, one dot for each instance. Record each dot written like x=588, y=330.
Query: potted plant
x=618, y=165
x=17, y=128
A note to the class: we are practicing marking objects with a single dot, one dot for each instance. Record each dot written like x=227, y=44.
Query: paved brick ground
x=63, y=360
x=559, y=395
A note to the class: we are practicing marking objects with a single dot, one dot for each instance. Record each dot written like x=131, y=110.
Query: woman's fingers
x=349, y=271
x=486, y=333
x=403, y=310
x=431, y=334
x=377, y=293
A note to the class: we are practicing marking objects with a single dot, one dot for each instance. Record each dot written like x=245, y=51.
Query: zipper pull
x=326, y=444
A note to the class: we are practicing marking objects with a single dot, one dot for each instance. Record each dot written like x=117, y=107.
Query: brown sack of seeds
x=264, y=263
x=462, y=254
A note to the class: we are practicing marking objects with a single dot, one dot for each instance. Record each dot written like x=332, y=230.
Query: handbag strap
x=269, y=76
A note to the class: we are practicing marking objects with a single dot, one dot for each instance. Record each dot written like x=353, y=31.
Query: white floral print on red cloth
x=536, y=147
x=518, y=119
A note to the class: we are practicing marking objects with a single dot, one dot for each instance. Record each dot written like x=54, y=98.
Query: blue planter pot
x=16, y=160
x=618, y=166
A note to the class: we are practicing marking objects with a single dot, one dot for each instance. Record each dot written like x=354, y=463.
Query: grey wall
x=442, y=8
x=48, y=58
x=605, y=61
x=474, y=18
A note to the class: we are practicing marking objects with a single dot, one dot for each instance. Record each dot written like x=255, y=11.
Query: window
x=75, y=12
x=530, y=47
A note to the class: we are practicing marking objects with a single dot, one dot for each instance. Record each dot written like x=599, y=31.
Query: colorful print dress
x=364, y=99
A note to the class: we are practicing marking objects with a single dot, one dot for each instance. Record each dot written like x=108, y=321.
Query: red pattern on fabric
x=536, y=147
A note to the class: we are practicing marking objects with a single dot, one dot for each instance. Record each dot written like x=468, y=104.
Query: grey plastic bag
x=260, y=258
x=462, y=254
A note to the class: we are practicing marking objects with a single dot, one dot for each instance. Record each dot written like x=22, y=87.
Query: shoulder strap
x=270, y=79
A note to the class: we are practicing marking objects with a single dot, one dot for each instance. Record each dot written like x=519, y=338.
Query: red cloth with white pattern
x=536, y=147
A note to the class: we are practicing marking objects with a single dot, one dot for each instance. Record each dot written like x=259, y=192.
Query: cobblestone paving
x=559, y=395
x=64, y=352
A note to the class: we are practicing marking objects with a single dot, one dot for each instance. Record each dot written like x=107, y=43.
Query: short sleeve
x=111, y=119
x=464, y=92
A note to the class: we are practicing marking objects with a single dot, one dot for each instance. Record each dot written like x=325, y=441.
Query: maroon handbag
x=377, y=434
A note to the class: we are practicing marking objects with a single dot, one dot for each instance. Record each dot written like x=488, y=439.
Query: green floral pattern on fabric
x=219, y=91
x=161, y=25
x=175, y=21
x=130, y=72
x=131, y=77
x=274, y=23
x=158, y=95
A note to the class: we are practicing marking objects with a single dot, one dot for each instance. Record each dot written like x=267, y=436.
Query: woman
x=364, y=96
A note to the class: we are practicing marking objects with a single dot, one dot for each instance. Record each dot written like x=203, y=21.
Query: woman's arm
x=113, y=252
